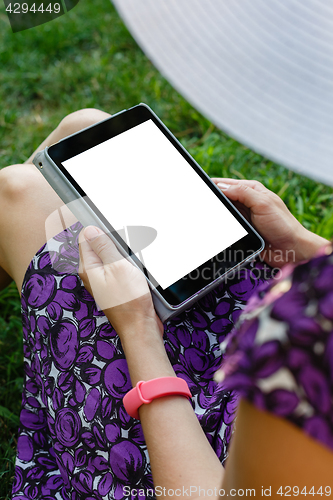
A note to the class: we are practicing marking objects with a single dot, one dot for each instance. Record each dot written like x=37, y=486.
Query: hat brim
x=260, y=70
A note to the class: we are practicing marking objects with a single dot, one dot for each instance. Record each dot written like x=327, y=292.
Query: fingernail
x=223, y=186
x=91, y=232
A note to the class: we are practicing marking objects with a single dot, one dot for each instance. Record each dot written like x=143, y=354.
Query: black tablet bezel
x=189, y=285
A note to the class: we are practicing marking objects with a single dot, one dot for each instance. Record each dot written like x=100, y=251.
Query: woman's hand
x=118, y=287
x=286, y=239
x=180, y=454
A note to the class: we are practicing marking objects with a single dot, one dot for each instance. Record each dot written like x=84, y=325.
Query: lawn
x=88, y=59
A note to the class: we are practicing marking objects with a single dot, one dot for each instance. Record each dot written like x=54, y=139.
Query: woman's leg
x=27, y=200
x=70, y=124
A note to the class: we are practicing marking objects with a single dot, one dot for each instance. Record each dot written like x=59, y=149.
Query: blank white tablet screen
x=138, y=178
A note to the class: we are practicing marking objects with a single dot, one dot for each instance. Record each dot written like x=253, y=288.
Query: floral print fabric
x=76, y=441
x=280, y=356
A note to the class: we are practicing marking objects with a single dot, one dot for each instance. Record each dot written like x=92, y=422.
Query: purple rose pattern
x=76, y=441
x=280, y=354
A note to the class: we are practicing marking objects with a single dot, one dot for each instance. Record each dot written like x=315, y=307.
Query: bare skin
x=27, y=200
x=266, y=451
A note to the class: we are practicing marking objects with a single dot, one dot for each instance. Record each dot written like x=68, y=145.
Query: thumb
x=96, y=249
x=102, y=248
x=88, y=258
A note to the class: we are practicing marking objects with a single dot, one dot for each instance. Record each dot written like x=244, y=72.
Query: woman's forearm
x=180, y=455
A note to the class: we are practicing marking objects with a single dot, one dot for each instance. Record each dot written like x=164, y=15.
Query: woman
x=280, y=360
x=76, y=440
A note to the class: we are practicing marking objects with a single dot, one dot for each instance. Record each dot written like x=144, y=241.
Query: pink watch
x=145, y=392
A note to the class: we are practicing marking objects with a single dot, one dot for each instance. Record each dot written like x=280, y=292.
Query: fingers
x=110, y=278
x=252, y=194
x=256, y=201
x=96, y=251
x=100, y=248
x=88, y=257
x=247, y=182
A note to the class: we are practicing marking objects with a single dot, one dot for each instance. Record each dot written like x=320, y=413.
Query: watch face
x=160, y=205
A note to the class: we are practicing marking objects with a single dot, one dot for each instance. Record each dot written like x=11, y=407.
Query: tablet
x=158, y=205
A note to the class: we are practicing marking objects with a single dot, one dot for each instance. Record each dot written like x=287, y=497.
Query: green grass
x=10, y=382
x=88, y=59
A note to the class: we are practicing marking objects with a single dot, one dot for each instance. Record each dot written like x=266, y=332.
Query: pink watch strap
x=145, y=392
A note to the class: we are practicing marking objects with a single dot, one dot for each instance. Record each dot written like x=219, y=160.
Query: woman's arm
x=270, y=453
x=267, y=451
x=180, y=454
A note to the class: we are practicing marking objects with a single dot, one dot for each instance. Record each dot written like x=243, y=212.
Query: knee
x=81, y=119
x=17, y=181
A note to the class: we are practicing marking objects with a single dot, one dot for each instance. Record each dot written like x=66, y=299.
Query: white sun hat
x=261, y=70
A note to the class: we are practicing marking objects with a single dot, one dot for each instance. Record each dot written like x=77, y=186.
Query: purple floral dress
x=280, y=356
x=76, y=441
